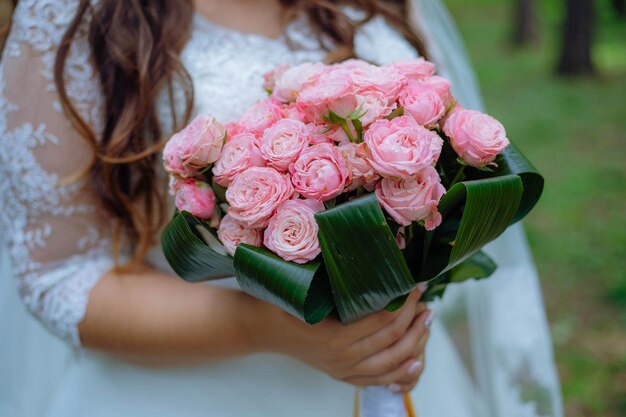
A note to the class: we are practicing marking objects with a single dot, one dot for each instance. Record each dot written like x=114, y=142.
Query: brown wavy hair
x=135, y=46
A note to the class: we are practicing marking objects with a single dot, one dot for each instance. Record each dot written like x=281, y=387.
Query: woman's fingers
x=377, y=321
x=368, y=325
x=408, y=347
x=389, y=334
x=410, y=377
x=403, y=378
x=402, y=387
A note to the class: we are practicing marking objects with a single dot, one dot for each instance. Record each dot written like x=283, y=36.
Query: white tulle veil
x=509, y=353
x=31, y=359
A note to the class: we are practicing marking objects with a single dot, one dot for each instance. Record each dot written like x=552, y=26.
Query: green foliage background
x=574, y=131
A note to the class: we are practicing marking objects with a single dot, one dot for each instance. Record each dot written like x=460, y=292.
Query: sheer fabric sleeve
x=57, y=233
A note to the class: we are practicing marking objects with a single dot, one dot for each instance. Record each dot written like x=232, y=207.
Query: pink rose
x=400, y=148
x=361, y=171
x=331, y=89
x=292, y=231
x=386, y=80
x=195, y=147
x=476, y=137
x=369, y=107
x=195, y=197
x=233, y=129
x=318, y=133
x=292, y=111
x=289, y=83
x=232, y=233
x=239, y=154
x=423, y=103
x=414, y=199
x=320, y=173
x=414, y=69
x=269, y=78
x=261, y=115
x=282, y=143
x=372, y=107
x=441, y=86
x=255, y=194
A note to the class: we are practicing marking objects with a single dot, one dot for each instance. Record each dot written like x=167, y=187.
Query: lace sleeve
x=56, y=231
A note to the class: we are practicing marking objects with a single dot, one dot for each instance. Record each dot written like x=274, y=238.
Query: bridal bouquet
x=343, y=189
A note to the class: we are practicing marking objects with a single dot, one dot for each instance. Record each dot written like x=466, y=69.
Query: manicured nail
x=422, y=286
x=429, y=320
x=394, y=388
x=414, y=367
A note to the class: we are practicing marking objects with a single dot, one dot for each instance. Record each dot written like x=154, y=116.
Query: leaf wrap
x=301, y=290
x=367, y=271
x=188, y=255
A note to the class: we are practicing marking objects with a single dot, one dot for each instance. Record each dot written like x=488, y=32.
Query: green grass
x=574, y=130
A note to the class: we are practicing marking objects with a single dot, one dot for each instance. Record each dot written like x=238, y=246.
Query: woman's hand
x=385, y=348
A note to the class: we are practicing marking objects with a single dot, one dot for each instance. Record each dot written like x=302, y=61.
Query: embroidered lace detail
x=56, y=243
x=41, y=25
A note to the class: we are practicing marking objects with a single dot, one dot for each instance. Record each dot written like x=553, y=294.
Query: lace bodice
x=56, y=231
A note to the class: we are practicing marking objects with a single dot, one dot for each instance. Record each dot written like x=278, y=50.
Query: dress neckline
x=203, y=21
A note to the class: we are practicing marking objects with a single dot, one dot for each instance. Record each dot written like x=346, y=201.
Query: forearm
x=149, y=314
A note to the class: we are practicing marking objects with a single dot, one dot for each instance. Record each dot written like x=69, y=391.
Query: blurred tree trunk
x=577, y=38
x=526, y=27
x=620, y=7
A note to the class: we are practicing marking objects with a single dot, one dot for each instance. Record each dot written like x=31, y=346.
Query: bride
x=88, y=92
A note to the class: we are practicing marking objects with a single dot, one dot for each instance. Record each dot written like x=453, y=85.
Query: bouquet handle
x=381, y=402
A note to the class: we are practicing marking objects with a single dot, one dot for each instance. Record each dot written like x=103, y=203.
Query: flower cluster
x=326, y=134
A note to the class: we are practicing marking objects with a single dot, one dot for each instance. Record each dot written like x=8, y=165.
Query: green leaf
x=300, y=289
x=474, y=213
x=356, y=113
x=512, y=161
x=358, y=126
x=477, y=266
x=397, y=112
x=367, y=271
x=333, y=118
x=188, y=255
x=220, y=192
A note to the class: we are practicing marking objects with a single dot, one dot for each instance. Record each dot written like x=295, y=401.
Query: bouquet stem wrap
x=381, y=402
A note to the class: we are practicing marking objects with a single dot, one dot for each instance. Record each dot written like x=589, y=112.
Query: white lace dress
x=58, y=241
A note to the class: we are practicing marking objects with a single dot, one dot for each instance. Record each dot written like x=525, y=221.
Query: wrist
x=264, y=324
x=260, y=322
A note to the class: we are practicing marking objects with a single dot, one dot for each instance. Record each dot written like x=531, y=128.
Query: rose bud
x=194, y=148
x=320, y=173
x=422, y=102
x=282, y=144
x=232, y=233
x=195, y=197
x=292, y=231
x=255, y=194
x=400, y=148
x=414, y=199
x=476, y=137
x=239, y=154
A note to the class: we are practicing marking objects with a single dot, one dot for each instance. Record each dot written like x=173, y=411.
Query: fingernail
x=414, y=367
x=429, y=320
x=394, y=388
x=422, y=286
